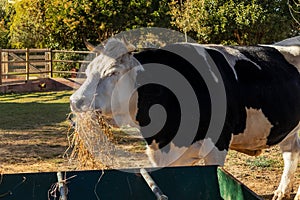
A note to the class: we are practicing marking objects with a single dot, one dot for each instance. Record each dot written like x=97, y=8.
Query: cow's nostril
x=79, y=103
x=76, y=105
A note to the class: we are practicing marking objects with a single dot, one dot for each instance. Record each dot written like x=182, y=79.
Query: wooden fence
x=18, y=65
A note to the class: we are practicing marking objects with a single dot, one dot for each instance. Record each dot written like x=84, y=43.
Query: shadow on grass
x=20, y=116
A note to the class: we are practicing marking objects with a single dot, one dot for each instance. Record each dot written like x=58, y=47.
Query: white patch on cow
x=204, y=54
x=290, y=53
x=254, y=137
x=159, y=158
x=183, y=156
x=231, y=55
x=124, y=99
x=210, y=153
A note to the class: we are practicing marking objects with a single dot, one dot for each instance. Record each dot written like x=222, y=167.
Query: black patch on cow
x=154, y=94
x=150, y=95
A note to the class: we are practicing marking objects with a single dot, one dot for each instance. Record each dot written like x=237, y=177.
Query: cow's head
x=110, y=83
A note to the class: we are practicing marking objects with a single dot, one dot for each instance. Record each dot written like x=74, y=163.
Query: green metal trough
x=182, y=183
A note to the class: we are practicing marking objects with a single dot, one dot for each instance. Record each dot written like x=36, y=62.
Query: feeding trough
x=201, y=182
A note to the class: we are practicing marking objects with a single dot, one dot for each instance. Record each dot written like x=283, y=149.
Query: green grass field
x=33, y=110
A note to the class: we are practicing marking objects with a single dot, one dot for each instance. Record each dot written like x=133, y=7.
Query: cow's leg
x=215, y=157
x=297, y=197
x=290, y=148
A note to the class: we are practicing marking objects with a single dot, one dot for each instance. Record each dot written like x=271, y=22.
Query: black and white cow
x=262, y=99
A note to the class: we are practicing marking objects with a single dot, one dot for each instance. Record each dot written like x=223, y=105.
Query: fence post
x=27, y=63
x=0, y=66
x=50, y=63
x=5, y=64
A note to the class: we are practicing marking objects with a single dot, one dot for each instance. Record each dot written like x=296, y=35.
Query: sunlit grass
x=33, y=110
x=37, y=97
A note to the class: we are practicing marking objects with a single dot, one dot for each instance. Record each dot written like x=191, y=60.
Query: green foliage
x=294, y=8
x=5, y=13
x=72, y=20
x=191, y=17
x=234, y=21
x=62, y=24
x=27, y=25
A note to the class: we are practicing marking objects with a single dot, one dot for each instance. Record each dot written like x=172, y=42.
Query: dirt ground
x=261, y=174
x=44, y=150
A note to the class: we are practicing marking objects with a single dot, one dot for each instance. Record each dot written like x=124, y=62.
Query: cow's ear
x=128, y=45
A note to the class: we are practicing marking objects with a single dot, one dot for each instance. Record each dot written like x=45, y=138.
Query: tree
x=72, y=20
x=189, y=17
x=27, y=25
x=5, y=13
x=63, y=23
x=234, y=21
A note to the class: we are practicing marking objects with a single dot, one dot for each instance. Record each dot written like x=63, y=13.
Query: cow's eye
x=113, y=74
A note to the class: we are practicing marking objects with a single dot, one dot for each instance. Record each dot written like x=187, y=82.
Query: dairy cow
x=262, y=87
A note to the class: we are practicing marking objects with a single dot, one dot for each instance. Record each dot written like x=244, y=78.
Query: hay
x=91, y=141
x=98, y=144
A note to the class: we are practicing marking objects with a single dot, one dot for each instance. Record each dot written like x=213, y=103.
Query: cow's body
x=251, y=91
x=262, y=100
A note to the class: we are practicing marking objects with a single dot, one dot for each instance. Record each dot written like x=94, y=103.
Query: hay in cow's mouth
x=97, y=143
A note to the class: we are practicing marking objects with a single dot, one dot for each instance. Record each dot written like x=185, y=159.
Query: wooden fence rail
x=17, y=65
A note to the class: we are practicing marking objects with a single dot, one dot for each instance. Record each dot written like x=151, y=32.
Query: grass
x=33, y=132
x=262, y=162
x=33, y=110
